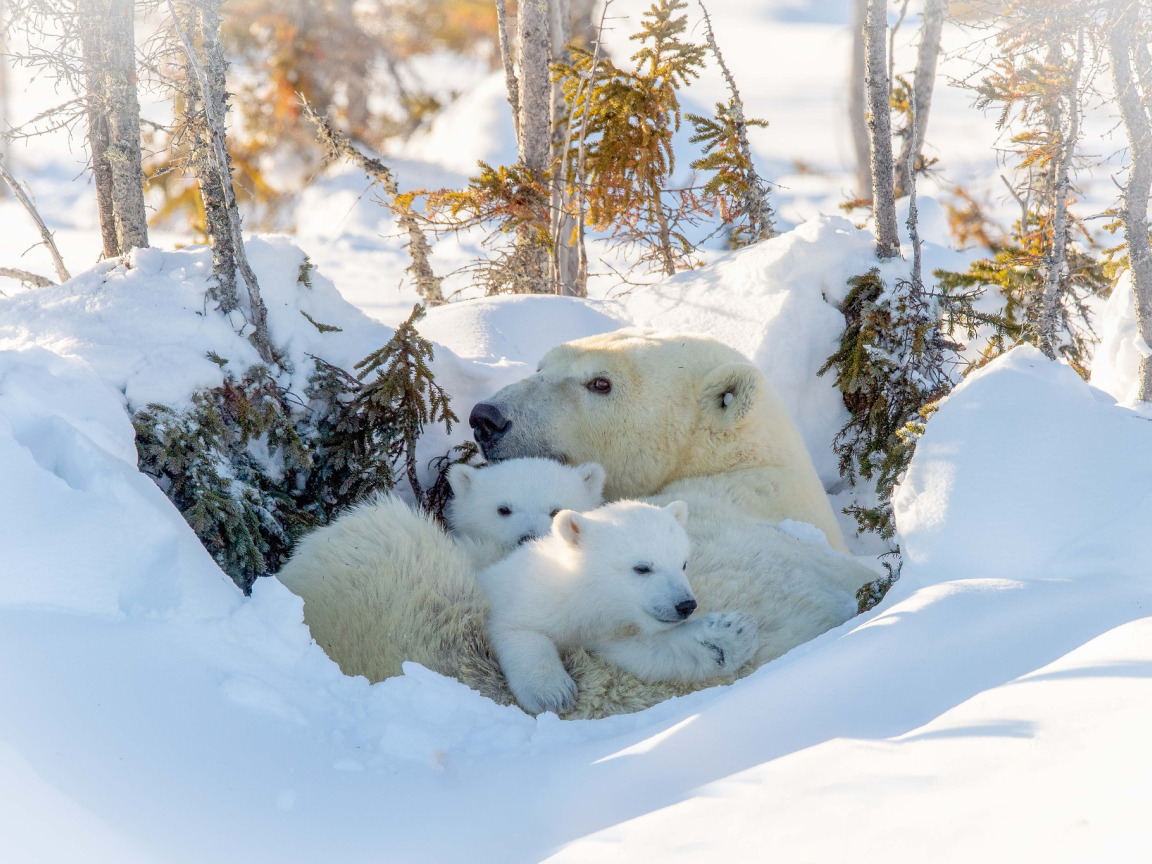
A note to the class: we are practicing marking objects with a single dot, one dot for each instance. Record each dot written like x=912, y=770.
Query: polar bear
x=502, y=505
x=669, y=417
x=612, y=581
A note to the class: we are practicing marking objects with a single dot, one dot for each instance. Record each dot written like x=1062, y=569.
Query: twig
x=22, y=197
x=26, y=277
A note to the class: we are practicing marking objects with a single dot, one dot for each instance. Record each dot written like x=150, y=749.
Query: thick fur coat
x=673, y=418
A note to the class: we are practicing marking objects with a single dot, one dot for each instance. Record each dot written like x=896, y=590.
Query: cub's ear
x=460, y=477
x=570, y=527
x=593, y=477
x=679, y=511
x=731, y=391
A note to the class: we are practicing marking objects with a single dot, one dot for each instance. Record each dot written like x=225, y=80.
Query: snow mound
x=1116, y=362
x=1050, y=476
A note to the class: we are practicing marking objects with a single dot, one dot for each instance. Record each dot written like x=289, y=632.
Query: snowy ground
x=994, y=707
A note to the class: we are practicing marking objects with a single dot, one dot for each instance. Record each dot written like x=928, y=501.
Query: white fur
x=384, y=584
x=612, y=581
x=512, y=502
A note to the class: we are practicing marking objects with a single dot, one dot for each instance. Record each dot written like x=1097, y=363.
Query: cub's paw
x=730, y=637
x=555, y=693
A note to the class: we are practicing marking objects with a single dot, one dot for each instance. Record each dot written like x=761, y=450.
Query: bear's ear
x=460, y=477
x=593, y=477
x=731, y=391
x=679, y=511
x=570, y=527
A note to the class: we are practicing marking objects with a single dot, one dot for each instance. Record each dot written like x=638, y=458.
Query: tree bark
x=1056, y=267
x=927, y=53
x=880, y=127
x=216, y=222
x=208, y=77
x=857, y=110
x=1134, y=202
x=4, y=106
x=95, y=89
x=124, y=156
x=565, y=260
x=509, y=72
x=533, y=28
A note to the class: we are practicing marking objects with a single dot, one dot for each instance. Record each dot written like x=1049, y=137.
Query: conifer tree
x=1042, y=273
x=740, y=191
x=630, y=118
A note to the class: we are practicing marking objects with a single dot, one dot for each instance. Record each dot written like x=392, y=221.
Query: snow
x=994, y=707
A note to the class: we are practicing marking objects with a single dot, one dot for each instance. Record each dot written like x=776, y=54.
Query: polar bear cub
x=512, y=502
x=611, y=581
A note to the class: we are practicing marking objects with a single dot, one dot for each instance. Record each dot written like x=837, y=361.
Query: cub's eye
x=552, y=515
x=504, y=510
x=685, y=567
x=642, y=569
x=599, y=385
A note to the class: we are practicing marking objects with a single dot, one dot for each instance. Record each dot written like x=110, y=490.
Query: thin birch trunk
x=95, y=96
x=923, y=84
x=1056, y=267
x=216, y=222
x=533, y=29
x=880, y=127
x=509, y=72
x=857, y=108
x=123, y=106
x=565, y=261
x=213, y=102
x=581, y=152
x=1134, y=203
x=4, y=106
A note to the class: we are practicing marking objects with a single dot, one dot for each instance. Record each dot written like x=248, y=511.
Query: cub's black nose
x=685, y=608
x=488, y=424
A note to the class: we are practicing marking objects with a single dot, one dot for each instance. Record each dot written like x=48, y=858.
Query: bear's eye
x=642, y=569
x=552, y=515
x=685, y=567
x=504, y=510
x=599, y=385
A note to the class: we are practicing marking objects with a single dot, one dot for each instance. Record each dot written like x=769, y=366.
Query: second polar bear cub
x=512, y=502
x=611, y=581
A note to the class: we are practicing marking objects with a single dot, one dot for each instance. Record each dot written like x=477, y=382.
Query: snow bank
x=1050, y=476
x=1116, y=361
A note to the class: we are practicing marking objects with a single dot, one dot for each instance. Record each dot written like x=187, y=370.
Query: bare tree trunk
x=108, y=46
x=123, y=105
x=565, y=260
x=857, y=110
x=215, y=103
x=509, y=73
x=880, y=127
x=533, y=27
x=4, y=106
x=95, y=88
x=927, y=53
x=533, y=30
x=1134, y=204
x=1056, y=267
x=216, y=221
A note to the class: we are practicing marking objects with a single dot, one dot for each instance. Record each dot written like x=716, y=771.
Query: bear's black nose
x=685, y=608
x=488, y=424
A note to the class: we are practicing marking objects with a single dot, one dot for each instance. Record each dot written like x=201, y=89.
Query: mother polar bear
x=670, y=417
